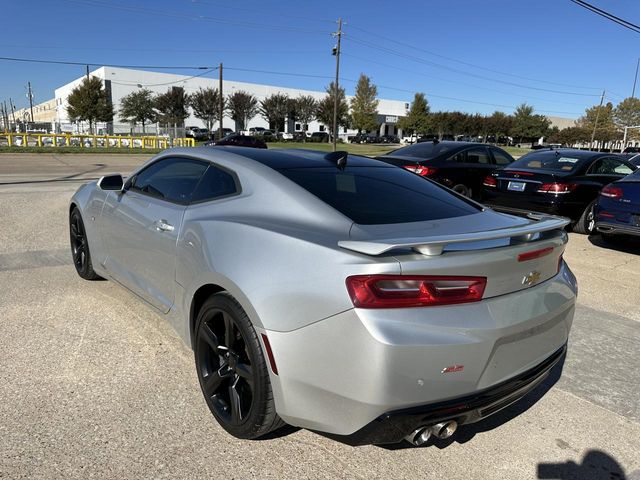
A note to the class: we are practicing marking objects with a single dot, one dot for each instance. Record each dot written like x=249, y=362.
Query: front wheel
x=462, y=190
x=80, y=247
x=586, y=224
x=232, y=369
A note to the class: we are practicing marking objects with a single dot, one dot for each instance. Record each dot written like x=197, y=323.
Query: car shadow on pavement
x=596, y=465
x=466, y=433
x=619, y=244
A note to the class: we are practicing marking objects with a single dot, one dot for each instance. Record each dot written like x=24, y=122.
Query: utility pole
x=635, y=79
x=13, y=111
x=221, y=100
x=30, y=95
x=595, y=125
x=87, y=72
x=336, y=52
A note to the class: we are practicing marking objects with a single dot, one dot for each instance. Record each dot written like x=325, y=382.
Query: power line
x=453, y=59
x=92, y=64
x=609, y=16
x=163, y=83
x=462, y=72
x=369, y=61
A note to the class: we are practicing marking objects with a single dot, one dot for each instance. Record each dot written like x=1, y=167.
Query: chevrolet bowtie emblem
x=531, y=278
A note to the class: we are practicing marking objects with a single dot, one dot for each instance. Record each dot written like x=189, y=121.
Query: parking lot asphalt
x=93, y=383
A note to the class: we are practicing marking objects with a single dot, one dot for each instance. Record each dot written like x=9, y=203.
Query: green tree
x=527, y=125
x=274, y=109
x=137, y=107
x=600, y=118
x=172, y=106
x=570, y=136
x=242, y=107
x=205, y=104
x=500, y=124
x=89, y=102
x=627, y=114
x=364, y=105
x=306, y=107
x=324, y=112
x=417, y=120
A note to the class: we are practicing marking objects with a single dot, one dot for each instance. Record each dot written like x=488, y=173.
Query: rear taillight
x=421, y=170
x=606, y=215
x=557, y=187
x=490, y=181
x=533, y=254
x=401, y=291
x=612, y=192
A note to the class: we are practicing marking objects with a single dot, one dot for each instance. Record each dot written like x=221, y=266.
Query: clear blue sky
x=403, y=46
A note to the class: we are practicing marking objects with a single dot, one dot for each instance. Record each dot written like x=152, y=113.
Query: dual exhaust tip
x=421, y=435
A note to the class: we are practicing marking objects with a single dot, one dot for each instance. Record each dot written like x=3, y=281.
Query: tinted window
x=171, y=179
x=501, y=157
x=425, y=150
x=609, y=166
x=560, y=161
x=474, y=156
x=214, y=184
x=374, y=195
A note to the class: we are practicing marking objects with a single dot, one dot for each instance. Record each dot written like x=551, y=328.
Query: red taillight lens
x=401, y=291
x=612, y=192
x=606, y=215
x=526, y=256
x=557, y=187
x=421, y=170
x=490, y=181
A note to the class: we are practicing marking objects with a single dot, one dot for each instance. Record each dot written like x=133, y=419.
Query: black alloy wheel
x=80, y=247
x=232, y=370
x=586, y=224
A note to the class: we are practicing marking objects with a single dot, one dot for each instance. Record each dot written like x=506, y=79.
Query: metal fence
x=91, y=141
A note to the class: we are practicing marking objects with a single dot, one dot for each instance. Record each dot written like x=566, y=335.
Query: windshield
x=556, y=160
x=424, y=150
x=379, y=195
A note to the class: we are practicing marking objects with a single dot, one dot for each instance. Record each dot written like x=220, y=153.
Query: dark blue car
x=618, y=208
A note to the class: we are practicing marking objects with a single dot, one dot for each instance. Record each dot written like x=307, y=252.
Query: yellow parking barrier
x=95, y=141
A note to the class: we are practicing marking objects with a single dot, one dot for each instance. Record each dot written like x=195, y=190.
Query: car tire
x=586, y=223
x=80, y=247
x=462, y=190
x=232, y=369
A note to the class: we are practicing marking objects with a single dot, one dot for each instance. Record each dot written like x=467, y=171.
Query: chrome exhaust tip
x=419, y=436
x=444, y=429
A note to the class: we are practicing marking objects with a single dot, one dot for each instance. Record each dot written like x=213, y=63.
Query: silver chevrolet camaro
x=333, y=292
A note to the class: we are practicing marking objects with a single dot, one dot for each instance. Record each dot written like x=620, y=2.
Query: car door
x=141, y=226
x=472, y=165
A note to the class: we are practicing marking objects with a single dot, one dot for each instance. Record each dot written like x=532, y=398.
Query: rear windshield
x=424, y=150
x=379, y=195
x=562, y=162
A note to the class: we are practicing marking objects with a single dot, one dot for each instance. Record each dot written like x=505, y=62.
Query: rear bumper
x=342, y=373
x=551, y=204
x=394, y=426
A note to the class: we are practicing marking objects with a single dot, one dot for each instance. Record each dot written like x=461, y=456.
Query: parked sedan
x=560, y=181
x=617, y=210
x=460, y=166
x=305, y=305
x=237, y=140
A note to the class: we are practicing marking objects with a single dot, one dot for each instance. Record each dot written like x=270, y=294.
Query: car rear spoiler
x=435, y=245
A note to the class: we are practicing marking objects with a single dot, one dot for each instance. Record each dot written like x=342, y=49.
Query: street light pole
x=595, y=125
x=336, y=85
x=221, y=101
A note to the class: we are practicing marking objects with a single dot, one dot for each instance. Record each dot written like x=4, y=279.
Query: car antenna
x=339, y=158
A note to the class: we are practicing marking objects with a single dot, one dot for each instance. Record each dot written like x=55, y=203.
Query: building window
x=298, y=127
x=344, y=130
x=322, y=128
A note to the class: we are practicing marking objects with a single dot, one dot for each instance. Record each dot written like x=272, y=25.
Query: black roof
x=574, y=152
x=299, y=158
x=428, y=150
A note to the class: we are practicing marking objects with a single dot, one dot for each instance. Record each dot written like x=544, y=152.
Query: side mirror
x=111, y=183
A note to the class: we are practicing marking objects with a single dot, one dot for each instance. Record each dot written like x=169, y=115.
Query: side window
x=478, y=156
x=172, y=179
x=215, y=183
x=500, y=157
x=609, y=166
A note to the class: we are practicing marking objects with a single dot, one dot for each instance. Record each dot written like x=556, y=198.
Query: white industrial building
x=119, y=82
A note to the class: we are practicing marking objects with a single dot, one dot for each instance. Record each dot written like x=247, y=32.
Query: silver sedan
x=333, y=292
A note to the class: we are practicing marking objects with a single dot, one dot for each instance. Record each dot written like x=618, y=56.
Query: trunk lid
x=525, y=180
x=513, y=253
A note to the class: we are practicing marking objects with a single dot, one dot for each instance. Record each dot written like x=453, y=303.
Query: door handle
x=163, y=226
